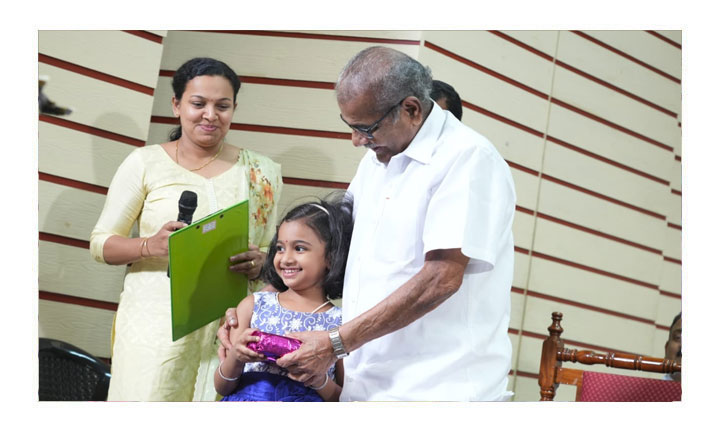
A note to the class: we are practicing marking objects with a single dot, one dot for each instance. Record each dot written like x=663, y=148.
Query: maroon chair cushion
x=602, y=387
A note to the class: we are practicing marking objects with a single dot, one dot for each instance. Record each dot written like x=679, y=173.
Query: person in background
x=446, y=96
x=426, y=300
x=146, y=364
x=673, y=346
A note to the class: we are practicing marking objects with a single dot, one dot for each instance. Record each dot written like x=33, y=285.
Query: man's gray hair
x=387, y=75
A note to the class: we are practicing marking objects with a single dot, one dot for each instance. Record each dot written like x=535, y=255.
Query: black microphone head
x=187, y=206
x=188, y=200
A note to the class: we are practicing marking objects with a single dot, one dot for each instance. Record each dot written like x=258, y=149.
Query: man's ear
x=413, y=107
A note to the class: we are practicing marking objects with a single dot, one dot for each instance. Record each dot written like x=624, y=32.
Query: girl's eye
x=223, y=107
x=197, y=104
x=300, y=248
x=280, y=248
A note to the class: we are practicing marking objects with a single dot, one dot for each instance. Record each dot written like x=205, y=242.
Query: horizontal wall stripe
x=582, y=305
x=563, y=143
x=524, y=210
x=663, y=38
x=289, y=82
x=607, y=161
x=57, y=121
x=315, y=183
x=522, y=45
x=670, y=294
x=62, y=64
x=673, y=260
x=146, y=35
x=678, y=158
x=612, y=125
x=502, y=119
x=519, y=167
x=80, y=301
x=598, y=233
x=545, y=96
x=272, y=81
x=672, y=225
x=72, y=183
x=676, y=192
x=583, y=74
x=54, y=238
x=625, y=55
x=299, y=35
x=267, y=129
x=541, y=255
x=486, y=70
x=605, y=197
x=537, y=254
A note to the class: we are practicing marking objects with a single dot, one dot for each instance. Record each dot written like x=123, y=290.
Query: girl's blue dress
x=266, y=381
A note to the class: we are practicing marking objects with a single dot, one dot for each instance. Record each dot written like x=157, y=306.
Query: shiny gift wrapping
x=273, y=346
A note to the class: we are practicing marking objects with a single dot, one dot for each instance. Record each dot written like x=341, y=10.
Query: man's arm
x=439, y=278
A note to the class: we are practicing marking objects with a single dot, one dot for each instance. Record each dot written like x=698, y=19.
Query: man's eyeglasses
x=367, y=132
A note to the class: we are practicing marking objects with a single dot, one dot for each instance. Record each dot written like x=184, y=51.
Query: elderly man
x=426, y=301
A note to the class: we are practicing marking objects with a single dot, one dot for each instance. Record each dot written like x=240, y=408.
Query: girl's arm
x=331, y=391
x=232, y=366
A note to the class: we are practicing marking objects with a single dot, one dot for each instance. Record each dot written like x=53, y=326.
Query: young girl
x=306, y=264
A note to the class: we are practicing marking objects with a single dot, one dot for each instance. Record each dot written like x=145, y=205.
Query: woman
x=146, y=364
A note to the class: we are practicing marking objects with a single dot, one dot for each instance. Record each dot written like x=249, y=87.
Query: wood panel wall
x=587, y=120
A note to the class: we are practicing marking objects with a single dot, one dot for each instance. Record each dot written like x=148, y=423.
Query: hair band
x=321, y=208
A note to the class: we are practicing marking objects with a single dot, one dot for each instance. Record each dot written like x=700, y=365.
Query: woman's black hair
x=200, y=66
x=334, y=228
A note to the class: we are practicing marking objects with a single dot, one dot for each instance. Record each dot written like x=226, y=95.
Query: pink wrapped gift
x=273, y=346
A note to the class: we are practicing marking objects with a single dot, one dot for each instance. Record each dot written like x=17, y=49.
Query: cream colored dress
x=146, y=364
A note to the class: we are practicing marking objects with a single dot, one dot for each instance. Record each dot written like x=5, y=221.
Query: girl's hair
x=200, y=66
x=334, y=228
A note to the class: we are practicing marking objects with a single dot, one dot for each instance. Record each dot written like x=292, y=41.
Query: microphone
x=186, y=207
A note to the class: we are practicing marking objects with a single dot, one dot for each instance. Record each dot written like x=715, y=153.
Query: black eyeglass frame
x=368, y=131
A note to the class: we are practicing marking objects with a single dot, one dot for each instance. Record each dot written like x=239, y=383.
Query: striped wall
x=587, y=121
x=108, y=79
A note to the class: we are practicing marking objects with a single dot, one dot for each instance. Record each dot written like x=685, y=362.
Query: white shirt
x=449, y=189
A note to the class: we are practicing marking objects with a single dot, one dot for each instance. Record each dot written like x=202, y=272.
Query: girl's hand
x=240, y=352
x=249, y=263
x=157, y=245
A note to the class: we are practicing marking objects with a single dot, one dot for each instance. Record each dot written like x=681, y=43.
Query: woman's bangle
x=327, y=378
x=142, y=246
x=147, y=246
x=223, y=376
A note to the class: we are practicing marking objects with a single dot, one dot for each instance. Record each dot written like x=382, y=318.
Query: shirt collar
x=422, y=146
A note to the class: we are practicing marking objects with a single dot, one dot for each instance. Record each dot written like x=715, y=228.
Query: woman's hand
x=249, y=263
x=157, y=245
x=223, y=333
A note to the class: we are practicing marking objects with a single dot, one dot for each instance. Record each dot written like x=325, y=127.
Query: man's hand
x=313, y=358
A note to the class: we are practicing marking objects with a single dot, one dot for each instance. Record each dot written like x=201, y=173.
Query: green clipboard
x=202, y=287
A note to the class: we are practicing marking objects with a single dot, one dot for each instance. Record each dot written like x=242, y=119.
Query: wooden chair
x=552, y=372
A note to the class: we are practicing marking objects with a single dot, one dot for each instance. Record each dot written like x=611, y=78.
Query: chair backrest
x=67, y=373
x=602, y=387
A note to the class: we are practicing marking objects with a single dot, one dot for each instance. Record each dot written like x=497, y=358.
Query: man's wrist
x=336, y=343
